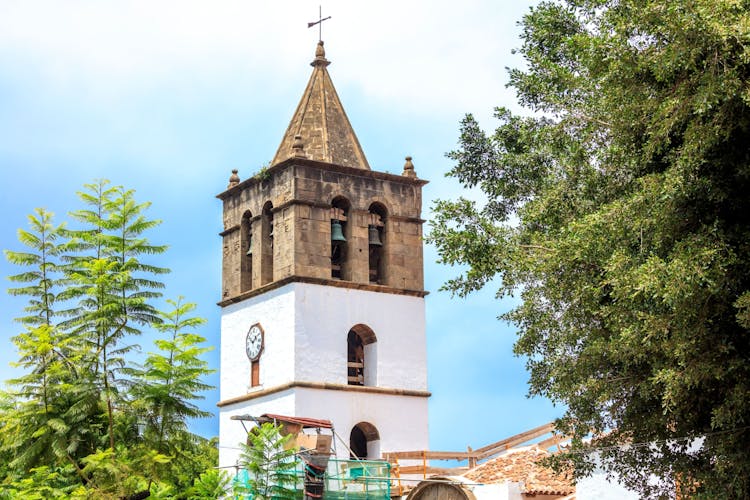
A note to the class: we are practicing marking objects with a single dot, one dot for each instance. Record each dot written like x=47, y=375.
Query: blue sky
x=166, y=97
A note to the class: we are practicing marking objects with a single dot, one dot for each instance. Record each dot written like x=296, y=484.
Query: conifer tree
x=270, y=465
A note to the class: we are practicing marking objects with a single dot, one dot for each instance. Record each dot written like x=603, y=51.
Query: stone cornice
x=230, y=230
x=320, y=281
x=319, y=165
x=323, y=386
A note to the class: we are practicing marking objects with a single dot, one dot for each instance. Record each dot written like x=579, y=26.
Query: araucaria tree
x=84, y=419
x=619, y=211
x=270, y=465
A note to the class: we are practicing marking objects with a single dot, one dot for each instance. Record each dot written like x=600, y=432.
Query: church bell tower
x=322, y=307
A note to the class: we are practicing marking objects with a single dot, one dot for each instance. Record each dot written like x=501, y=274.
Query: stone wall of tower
x=301, y=193
x=255, y=193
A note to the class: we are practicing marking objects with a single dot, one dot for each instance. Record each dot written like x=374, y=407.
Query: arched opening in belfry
x=376, y=243
x=361, y=359
x=364, y=442
x=266, y=260
x=340, y=236
x=246, y=249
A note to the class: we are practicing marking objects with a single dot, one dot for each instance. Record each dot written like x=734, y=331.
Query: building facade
x=322, y=308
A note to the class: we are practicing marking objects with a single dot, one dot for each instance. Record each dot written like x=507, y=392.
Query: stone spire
x=321, y=123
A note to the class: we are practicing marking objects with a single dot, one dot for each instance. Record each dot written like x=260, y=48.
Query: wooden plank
x=353, y=364
x=418, y=469
x=255, y=374
x=504, y=444
x=455, y=471
x=474, y=455
x=552, y=441
x=530, y=434
x=472, y=459
x=429, y=455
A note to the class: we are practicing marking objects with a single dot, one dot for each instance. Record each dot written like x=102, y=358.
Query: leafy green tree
x=40, y=484
x=70, y=422
x=165, y=388
x=37, y=429
x=619, y=212
x=213, y=483
x=43, y=249
x=269, y=465
x=113, y=285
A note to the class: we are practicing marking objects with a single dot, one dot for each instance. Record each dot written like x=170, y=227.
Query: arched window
x=376, y=243
x=361, y=358
x=364, y=441
x=246, y=249
x=340, y=234
x=266, y=258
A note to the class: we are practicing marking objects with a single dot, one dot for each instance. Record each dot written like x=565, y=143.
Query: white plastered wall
x=275, y=313
x=232, y=432
x=401, y=421
x=306, y=328
x=325, y=315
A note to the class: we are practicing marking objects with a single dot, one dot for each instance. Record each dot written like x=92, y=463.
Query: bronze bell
x=374, y=236
x=249, y=244
x=337, y=234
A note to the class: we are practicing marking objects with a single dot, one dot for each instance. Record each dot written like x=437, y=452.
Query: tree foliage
x=84, y=419
x=618, y=210
x=269, y=464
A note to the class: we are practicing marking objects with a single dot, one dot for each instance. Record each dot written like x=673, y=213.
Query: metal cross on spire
x=319, y=22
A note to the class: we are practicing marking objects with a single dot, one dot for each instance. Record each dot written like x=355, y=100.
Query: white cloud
x=423, y=55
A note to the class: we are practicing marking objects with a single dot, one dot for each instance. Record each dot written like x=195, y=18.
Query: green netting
x=344, y=479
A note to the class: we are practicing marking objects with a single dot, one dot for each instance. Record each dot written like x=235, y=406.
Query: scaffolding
x=340, y=480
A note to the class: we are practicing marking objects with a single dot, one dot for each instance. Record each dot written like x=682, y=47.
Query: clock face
x=254, y=342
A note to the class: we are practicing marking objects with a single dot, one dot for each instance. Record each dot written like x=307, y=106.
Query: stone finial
x=298, y=147
x=320, y=56
x=234, y=179
x=409, y=168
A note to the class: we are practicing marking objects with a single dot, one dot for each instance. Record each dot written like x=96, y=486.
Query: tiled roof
x=320, y=129
x=522, y=466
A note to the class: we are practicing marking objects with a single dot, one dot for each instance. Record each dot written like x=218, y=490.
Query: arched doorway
x=364, y=441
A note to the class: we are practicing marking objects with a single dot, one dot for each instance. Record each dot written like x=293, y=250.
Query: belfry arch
x=267, y=251
x=246, y=256
x=364, y=441
x=340, y=236
x=376, y=230
x=361, y=359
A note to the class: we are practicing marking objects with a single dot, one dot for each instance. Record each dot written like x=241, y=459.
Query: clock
x=254, y=342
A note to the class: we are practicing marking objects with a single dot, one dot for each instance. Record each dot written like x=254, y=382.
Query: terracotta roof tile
x=522, y=466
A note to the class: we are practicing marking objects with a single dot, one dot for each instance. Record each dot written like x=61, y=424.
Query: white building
x=322, y=296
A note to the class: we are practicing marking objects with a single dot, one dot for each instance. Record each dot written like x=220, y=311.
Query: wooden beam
x=552, y=441
x=504, y=444
x=429, y=455
x=418, y=469
x=472, y=456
